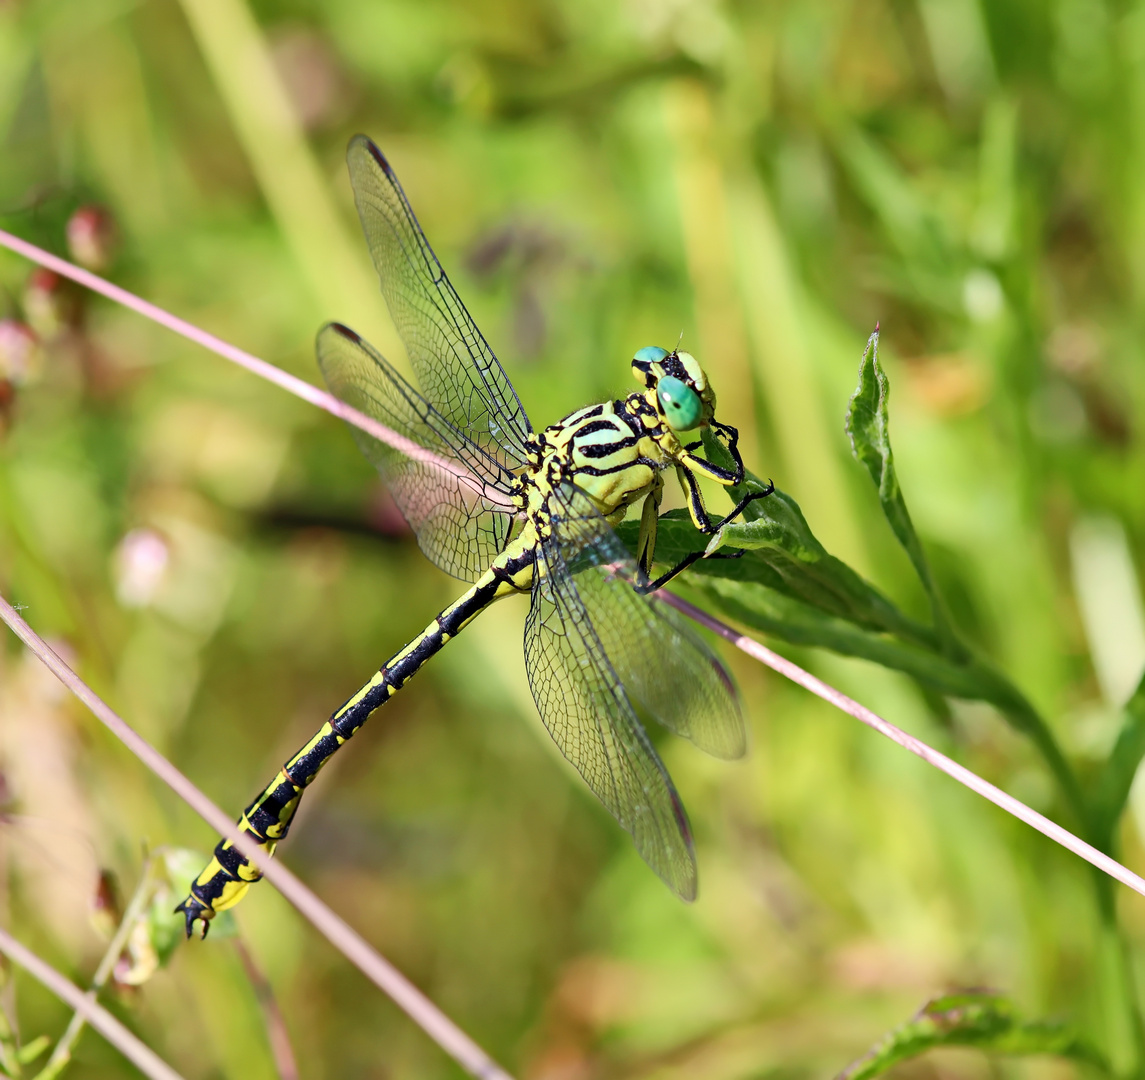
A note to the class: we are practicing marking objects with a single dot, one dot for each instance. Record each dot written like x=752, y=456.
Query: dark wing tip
x=687, y=887
x=736, y=746
x=338, y=329
x=344, y=331
x=367, y=145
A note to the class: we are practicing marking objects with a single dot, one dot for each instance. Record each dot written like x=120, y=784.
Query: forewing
x=458, y=373
x=582, y=702
x=450, y=491
x=667, y=668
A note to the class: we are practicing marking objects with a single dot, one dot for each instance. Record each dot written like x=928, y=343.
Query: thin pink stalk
x=290, y=383
x=349, y=942
x=146, y=1060
x=908, y=742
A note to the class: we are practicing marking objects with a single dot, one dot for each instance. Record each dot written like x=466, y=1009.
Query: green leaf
x=982, y=1020
x=773, y=613
x=868, y=427
x=779, y=539
x=756, y=605
x=788, y=586
x=781, y=552
x=1116, y=779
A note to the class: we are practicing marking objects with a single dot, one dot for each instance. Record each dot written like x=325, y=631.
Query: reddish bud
x=50, y=304
x=93, y=238
x=21, y=357
x=105, y=910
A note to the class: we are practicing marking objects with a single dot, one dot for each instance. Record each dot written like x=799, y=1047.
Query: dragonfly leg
x=705, y=525
x=744, y=503
x=699, y=512
x=681, y=566
x=689, y=467
x=703, y=467
x=649, y=521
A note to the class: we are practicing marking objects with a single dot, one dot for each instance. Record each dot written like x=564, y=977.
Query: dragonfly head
x=677, y=386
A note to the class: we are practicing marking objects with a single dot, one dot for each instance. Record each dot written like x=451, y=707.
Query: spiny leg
x=682, y=565
x=743, y=504
x=702, y=467
x=649, y=523
x=689, y=467
x=704, y=524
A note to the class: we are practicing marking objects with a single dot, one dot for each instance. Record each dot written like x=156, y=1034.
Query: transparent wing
x=585, y=680
x=583, y=705
x=667, y=668
x=458, y=373
x=451, y=491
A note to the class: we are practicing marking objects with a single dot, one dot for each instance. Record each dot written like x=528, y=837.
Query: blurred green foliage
x=769, y=179
x=970, y=1019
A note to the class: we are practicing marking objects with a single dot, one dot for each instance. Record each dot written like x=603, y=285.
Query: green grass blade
x=1116, y=779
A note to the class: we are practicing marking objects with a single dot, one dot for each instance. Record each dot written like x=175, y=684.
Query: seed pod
x=93, y=238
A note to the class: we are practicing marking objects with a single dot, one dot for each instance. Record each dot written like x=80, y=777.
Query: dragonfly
x=516, y=511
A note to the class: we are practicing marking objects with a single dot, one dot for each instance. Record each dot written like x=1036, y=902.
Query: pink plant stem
x=146, y=1060
x=908, y=742
x=378, y=970
x=290, y=383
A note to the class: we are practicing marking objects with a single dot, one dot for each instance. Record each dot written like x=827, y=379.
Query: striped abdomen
x=267, y=820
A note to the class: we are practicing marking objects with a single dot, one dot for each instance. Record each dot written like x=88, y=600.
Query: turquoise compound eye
x=650, y=354
x=681, y=404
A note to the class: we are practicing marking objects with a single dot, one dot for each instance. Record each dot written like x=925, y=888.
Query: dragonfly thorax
x=611, y=451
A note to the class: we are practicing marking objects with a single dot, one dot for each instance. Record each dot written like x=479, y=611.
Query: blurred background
x=767, y=179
